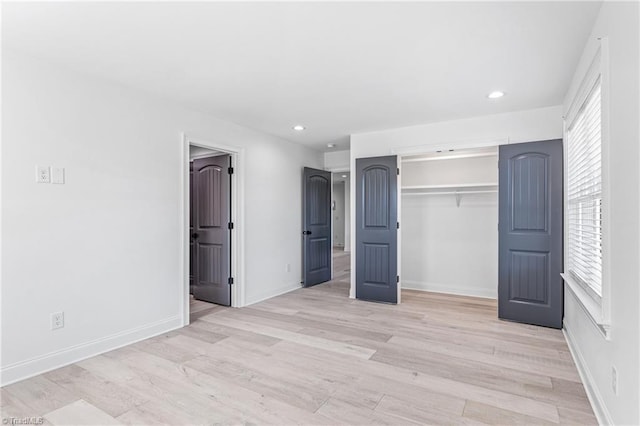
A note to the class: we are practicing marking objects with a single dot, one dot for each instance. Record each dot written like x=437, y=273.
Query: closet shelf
x=457, y=187
x=451, y=189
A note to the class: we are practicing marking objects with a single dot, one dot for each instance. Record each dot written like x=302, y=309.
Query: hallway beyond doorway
x=341, y=264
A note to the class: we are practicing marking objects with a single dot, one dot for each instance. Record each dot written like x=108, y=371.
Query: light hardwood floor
x=314, y=356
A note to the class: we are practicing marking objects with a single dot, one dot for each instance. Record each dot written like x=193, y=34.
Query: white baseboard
x=274, y=293
x=41, y=364
x=597, y=403
x=449, y=289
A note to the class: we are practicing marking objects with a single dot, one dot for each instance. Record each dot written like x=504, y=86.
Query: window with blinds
x=584, y=194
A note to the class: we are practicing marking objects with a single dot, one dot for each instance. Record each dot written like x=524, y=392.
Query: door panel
x=210, y=207
x=192, y=246
x=530, y=288
x=316, y=226
x=376, y=229
x=211, y=235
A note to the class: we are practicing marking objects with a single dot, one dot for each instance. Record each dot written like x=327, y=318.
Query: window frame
x=597, y=307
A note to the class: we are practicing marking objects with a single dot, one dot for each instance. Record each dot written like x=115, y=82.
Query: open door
x=530, y=289
x=211, y=230
x=316, y=206
x=192, y=222
x=377, y=229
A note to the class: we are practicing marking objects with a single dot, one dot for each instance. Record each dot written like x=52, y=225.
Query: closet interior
x=449, y=222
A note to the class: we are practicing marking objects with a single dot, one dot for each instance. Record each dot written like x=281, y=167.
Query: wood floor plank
x=11, y=406
x=80, y=413
x=41, y=394
x=342, y=412
x=317, y=342
x=419, y=413
x=577, y=417
x=248, y=336
x=488, y=414
x=363, y=332
x=140, y=374
x=158, y=346
x=290, y=389
x=459, y=368
x=110, y=397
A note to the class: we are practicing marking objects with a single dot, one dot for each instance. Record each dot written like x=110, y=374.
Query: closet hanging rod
x=451, y=186
x=450, y=192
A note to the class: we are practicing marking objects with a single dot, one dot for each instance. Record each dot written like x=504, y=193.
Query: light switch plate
x=43, y=174
x=57, y=175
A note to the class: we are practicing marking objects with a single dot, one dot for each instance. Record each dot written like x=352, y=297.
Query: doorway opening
x=213, y=252
x=449, y=221
x=341, y=226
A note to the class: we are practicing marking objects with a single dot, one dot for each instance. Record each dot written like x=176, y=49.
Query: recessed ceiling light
x=495, y=95
x=331, y=145
x=298, y=127
x=344, y=176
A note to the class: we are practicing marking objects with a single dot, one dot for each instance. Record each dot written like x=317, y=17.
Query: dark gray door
x=211, y=231
x=316, y=227
x=376, y=229
x=192, y=245
x=530, y=288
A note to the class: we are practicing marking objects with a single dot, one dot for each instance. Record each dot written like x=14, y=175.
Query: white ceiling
x=337, y=68
x=340, y=177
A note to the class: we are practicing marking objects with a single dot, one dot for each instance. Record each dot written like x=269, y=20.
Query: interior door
x=211, y=234
x=377, y=229
x=530, y=288
x=192, y=246
x=316, y=226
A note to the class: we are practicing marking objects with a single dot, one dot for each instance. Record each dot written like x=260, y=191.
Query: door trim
x=237, y=217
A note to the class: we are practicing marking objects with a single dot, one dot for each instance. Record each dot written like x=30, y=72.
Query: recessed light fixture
x=344, y=176
x=298, y=127
x=331, y=145
x=495, y=95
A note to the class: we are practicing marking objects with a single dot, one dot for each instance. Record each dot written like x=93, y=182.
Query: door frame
x=237, y=217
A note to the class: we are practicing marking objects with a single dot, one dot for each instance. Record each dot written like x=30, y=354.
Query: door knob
x=306, y=232
x=195, y=235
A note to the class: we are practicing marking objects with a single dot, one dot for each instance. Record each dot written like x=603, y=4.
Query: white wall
x=448, y=248
x=199, y=152
x=338, y=214
x=514, y=127
x=336, y=160
x=105, y=247
x=619, y=22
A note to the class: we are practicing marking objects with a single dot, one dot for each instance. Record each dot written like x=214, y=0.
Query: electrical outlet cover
x=43, y=174
x=57, y=320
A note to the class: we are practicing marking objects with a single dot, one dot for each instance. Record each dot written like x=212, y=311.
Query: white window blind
x=584, y=194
